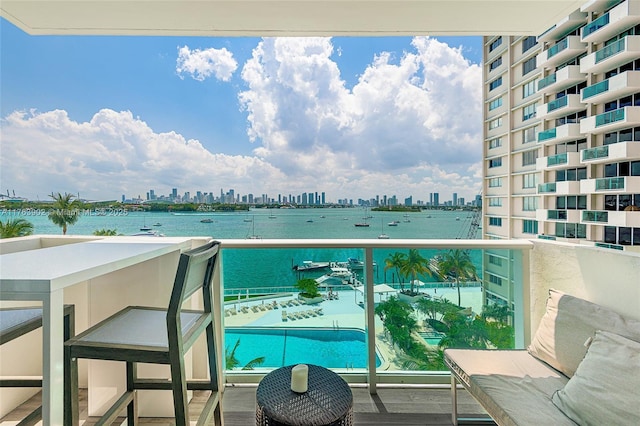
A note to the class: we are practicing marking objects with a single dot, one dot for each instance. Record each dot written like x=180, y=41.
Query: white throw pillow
x=604, y=389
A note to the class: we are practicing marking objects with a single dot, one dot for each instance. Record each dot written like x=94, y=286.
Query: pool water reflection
x=330, y=348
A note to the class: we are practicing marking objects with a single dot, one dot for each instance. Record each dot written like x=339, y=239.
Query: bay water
x=256, y=270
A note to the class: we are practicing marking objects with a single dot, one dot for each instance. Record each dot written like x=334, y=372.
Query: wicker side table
x=328, y=400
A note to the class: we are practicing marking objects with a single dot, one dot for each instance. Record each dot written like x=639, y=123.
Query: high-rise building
x=436, y=199
x=562, y=130
x=455, y=198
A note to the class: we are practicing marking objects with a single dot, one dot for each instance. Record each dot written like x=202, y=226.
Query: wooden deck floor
x=390, y=406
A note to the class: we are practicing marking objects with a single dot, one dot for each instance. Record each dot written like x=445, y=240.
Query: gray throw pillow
x=604, y=389
x=568, y=323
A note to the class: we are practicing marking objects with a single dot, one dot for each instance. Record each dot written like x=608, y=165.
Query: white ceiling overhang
x=286, y=17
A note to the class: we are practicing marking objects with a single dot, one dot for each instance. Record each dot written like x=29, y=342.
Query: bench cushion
x=514, y=387
x=604, y=389
x=570, y=322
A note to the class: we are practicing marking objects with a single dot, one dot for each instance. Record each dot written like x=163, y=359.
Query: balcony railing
x=557, y=214
x=557, y=48
x=610, y=50
x=610, y=117
x=595, y=153
x=609, y=183
x=557, y=103
x=610, y=246
x=595, y=25
x=349, y=302
x=550, y=79
x=595, y=89
x=557, y=159
x=595, y=216
x=547, y=187
x=547, y=134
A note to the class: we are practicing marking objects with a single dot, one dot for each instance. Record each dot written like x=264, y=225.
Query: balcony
x=621, y=118
x=560, y=107
x=611, y=56
x=615, y=87
x=522, y=272
x=611, y=153
x=595, y=216
x=623, y=16
x=561, y=52
x=547, y=188
x=561, y=79
x=563, y=133
x=614, y=185
x=566, y=159
x=564, y=27
x=597, y=6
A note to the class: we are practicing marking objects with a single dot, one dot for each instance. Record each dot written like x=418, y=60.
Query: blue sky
x=354, y=117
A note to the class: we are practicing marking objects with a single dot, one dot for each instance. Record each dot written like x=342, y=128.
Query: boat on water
x=148, y=233
x=309, y=265
x=248, y=220
x=206, y=221
x=457, y=218
x=157, y=224
x=393, y=223
x=146, y=228
x=253, y=235
x=383, y=236
x=361, y=224
x=309, y=220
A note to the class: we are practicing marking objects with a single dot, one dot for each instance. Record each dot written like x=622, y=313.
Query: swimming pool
x=330, y=348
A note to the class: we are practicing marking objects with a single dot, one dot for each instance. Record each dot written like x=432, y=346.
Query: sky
x=106, y=116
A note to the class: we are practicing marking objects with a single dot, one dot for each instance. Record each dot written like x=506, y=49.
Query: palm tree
x=395, y=261
x=15, y=228
x=413, y=265
x=232, y=362
x=65, y=210
x=457, y=262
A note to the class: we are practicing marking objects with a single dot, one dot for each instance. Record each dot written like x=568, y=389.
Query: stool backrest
x=196, y=268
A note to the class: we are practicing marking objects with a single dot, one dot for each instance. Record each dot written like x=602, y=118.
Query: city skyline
x=305, y=198
x=357, y=116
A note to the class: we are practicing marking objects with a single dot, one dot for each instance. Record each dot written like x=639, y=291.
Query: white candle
x=299, y=376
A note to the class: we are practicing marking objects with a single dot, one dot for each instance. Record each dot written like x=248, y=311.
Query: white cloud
x=114, y=154
x=411, y=125
x=201, y=64
x=418, y=112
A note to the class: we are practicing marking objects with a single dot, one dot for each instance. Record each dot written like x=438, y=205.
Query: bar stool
x=16, y=322
x=139, y=334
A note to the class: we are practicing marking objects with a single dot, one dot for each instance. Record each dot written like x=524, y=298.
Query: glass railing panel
x=438, y=308
x=595, y=216
x=557, y=103
x=595, y=25
x=547, y=187
x=610, y=50
x=547, y=134
x=557, y=214
x=547, y=237
x=610, y=117
x=594, y=153
x=294, y=305
x=550, y=79
x=557, y=48
x=557, y=159
x=610, y=246
x=595, y=89
x=609, y=183
x=383, y=310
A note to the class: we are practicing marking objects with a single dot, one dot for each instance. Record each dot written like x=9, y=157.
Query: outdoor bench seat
x=580, y=368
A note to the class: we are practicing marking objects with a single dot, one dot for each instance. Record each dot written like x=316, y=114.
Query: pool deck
x=343, y=312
